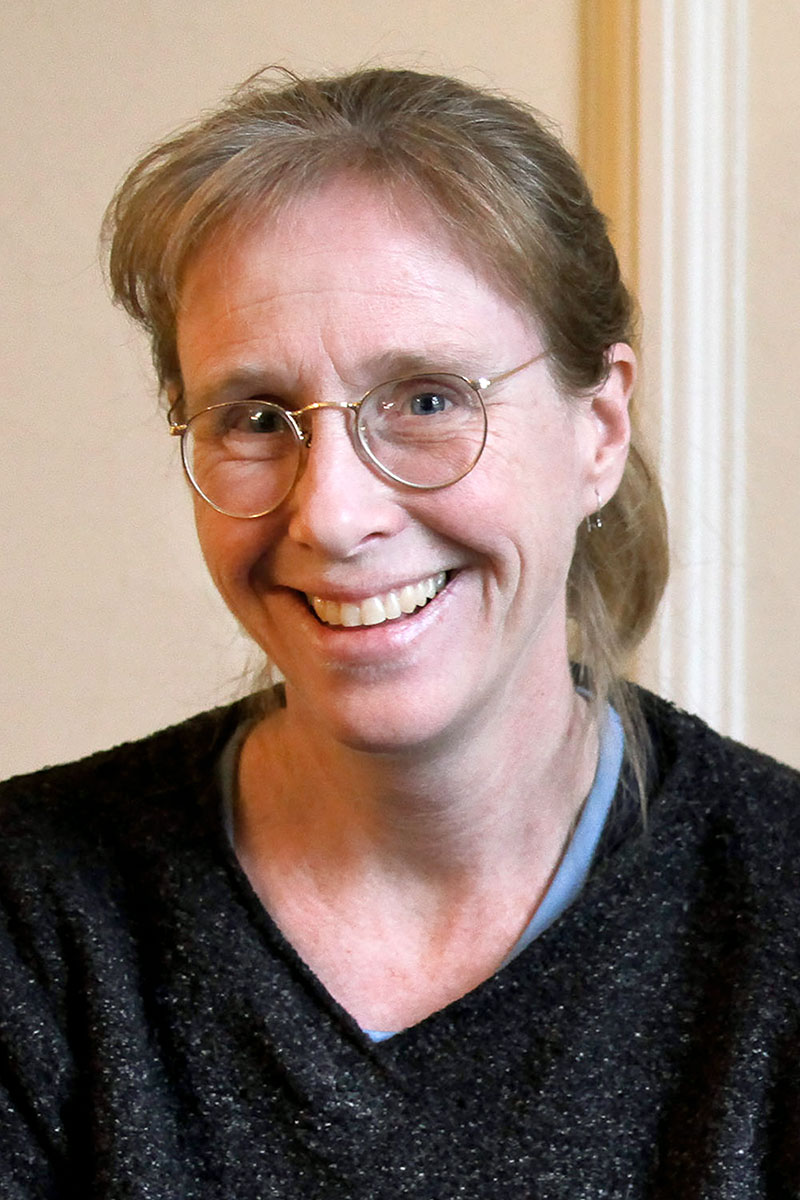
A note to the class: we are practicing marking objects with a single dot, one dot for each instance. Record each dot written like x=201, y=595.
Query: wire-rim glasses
x=424, y=431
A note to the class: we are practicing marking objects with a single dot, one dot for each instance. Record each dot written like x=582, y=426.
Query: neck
x=495, y=799
x=404, y=880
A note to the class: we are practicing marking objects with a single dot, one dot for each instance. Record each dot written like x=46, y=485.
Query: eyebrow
x=258, y=380
x=232, y=386
x=452, y=359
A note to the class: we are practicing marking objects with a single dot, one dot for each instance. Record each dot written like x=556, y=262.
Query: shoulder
x=151, y=766
x=93, y=851
x=90, y=818
x=717, y=770
x=732, y=810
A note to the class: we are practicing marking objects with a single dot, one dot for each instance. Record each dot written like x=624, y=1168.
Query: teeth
x=377, y=609
x=350, y=615
x=391, y=606
x=411, y=596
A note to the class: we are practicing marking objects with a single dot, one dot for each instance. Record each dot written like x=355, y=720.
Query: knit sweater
x=160, y=1039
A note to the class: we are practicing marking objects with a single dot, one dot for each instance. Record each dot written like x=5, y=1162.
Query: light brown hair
x=512, y=199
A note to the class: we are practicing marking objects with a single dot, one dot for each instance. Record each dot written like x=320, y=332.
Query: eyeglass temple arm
x=484, y=383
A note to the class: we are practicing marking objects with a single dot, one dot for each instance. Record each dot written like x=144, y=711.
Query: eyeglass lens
x=426, y=432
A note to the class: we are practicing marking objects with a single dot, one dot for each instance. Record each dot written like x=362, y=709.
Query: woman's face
x=344, y=292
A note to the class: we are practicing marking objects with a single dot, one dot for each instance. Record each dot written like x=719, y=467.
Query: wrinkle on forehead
x=345, y=287
x=403, y=208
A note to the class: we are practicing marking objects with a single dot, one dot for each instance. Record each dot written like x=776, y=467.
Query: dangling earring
x=595, y=520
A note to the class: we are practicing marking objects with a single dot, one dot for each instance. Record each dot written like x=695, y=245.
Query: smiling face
x=399, y=617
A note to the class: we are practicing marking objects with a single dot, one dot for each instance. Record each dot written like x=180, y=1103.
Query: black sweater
x=160, y=1039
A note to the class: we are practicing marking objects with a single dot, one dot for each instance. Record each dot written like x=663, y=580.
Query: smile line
x=374, y=610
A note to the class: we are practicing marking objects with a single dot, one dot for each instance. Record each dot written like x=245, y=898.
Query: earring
x=595, y=520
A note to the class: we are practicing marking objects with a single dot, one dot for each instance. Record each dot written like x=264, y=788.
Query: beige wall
x=772, y=531
x=109, y=627
x=720, y=284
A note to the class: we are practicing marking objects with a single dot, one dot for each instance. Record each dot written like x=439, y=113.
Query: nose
x=339, y=503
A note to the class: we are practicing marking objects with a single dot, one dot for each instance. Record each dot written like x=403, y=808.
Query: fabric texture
x=160, y=1039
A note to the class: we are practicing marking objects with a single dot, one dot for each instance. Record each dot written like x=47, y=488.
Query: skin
x=385, y=816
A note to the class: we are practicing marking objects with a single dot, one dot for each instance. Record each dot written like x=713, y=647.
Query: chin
x=374, y=718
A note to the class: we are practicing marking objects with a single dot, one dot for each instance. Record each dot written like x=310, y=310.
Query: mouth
x=374, y=610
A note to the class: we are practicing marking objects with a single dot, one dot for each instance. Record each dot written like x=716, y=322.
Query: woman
x=445, y=914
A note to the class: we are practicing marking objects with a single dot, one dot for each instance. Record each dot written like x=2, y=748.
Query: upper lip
x=351, y=595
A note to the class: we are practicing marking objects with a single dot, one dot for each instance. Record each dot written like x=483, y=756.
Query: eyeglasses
x=426, y=431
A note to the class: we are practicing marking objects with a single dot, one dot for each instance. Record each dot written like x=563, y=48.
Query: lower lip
x=370, y=643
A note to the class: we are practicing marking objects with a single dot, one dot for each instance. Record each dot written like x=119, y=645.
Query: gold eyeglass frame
x=303, y=437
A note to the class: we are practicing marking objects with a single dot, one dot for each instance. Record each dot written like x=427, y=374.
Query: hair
x=513, y=201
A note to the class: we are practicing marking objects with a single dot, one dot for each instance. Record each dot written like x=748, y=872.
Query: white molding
x=694, y=259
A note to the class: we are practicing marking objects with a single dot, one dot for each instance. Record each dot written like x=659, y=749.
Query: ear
x=609, y=428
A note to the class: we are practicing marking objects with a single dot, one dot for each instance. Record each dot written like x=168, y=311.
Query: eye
x=251, y=418
x=249, y=431
x=422, y=397
x=427, y=403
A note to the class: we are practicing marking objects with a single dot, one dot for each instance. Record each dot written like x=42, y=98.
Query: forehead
x=350, y=265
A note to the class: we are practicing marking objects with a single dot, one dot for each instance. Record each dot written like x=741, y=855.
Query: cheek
x=232, y=549
x=520, y=509
x=527, y=481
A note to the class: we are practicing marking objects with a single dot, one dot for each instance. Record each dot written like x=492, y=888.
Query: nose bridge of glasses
x=301, y=419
